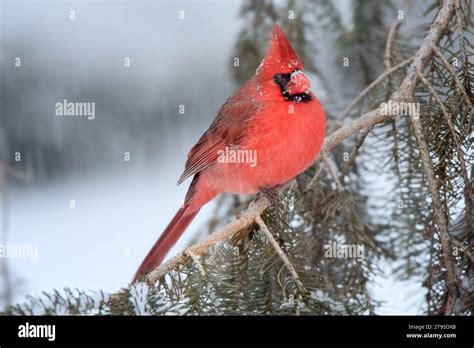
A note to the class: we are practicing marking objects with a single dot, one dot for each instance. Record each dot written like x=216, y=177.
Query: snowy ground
x=99, y=243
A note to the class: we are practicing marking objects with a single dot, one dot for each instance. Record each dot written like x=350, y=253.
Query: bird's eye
x=277, y=78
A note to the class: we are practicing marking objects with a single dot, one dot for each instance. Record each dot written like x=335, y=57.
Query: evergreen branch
x=447, y=118
x=439, y=214
x=245, y=220
x=460, y=29
x=280, y=252
x=458, y=83
x=425, y=52
x=420, y=61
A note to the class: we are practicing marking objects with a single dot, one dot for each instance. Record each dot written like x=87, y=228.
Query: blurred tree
x=6, y=171
x=258, y=17
x=250, y=46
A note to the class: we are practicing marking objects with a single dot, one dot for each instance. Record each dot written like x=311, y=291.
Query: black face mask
x=282, y=81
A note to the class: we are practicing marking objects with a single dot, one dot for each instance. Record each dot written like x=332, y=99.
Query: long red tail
x=168, y=238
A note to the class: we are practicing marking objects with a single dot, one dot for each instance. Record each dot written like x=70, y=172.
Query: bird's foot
x=274, y=195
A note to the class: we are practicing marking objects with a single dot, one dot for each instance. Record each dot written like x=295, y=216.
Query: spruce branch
x=458, y=83
x=460, y=30
x=439, y=214
x=246, y=219
x=424, y=54
x=437, y=30
x=447, y=118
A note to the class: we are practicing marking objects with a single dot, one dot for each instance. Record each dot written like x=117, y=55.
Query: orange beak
x=299, y=83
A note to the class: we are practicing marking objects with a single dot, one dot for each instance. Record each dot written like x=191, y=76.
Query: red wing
x=228, y=129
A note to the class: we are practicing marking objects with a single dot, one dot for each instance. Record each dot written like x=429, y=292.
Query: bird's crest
x=280, y=58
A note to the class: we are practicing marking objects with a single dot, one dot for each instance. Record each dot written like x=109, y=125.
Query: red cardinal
x=269, y=131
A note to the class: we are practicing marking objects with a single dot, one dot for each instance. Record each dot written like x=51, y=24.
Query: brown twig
x=197, y=263
x=390, y=40
x=314, y=179
x=280, y=252
x=352, y=157
x=332, y=171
